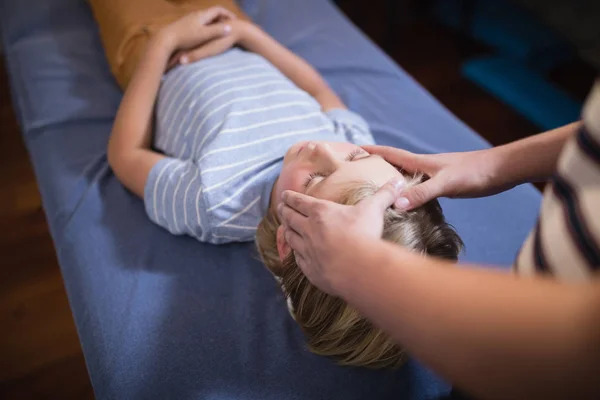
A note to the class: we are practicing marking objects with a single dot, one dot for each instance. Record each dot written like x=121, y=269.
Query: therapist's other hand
x=456, y=175
x=320, y=232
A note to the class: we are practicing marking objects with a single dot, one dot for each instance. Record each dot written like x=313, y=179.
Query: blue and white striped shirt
x=225, y=124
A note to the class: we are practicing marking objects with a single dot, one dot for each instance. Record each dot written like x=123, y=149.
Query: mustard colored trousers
x=126, y=26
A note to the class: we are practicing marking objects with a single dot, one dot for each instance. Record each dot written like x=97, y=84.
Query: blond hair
x=333, y=328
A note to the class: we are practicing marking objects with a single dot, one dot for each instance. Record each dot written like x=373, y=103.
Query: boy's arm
x=294, y=67
x=129, y=153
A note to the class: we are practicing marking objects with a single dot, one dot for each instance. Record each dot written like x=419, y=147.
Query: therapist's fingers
x=403, y=159
x=295, y=241
x=300, y=202
x=385, y=196
x=302, y=263
x=292, y=219
x=420, y=194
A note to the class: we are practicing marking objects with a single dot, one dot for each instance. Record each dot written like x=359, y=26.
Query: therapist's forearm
x=534, y=158
x=489, y=332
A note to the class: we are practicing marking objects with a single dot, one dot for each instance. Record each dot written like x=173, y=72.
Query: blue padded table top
x=167, y=317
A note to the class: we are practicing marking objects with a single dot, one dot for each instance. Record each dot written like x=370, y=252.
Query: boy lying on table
x=235, y=121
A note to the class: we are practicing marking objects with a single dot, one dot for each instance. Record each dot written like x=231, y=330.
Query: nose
x=323, y=156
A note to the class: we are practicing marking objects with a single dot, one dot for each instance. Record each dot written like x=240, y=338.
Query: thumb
x=416, y=196
x=386, y=195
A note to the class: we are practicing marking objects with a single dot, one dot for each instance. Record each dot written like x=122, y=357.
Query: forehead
x=373, y=169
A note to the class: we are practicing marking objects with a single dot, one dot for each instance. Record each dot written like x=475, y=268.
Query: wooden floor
x=40, y=355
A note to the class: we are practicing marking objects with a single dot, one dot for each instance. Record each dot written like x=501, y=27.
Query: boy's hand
x=236, y=31
x=196, y=29
x=232, y=33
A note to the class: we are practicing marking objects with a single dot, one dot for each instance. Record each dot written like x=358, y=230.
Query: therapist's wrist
x=359, y=260
x=498, y=168
x=514, y=165
x=535, y=158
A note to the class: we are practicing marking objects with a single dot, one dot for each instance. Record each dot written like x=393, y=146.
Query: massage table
x=166, y=317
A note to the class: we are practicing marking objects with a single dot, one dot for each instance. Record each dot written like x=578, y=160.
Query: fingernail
x=227, y=28
x=184, y=60
x=398, y=183
x=311, y=146
x=279, y=208
x=401, y=203
x=283, y=196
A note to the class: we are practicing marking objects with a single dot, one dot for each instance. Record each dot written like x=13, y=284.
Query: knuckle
x=320, y=209
x=294, y=201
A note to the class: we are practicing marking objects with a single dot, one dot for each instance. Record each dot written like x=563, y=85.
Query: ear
x=283, y=248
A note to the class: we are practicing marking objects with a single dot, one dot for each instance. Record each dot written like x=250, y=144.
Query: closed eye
x=353, y=154
x=313, y=176
x=350, y=157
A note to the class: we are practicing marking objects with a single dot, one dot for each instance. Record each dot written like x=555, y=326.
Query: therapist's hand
x=320, y=232
x=457, y=175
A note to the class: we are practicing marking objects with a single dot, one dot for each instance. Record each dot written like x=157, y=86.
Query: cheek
x=292, y=178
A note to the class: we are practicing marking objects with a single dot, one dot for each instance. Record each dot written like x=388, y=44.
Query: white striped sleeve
x=351, y=125
x=172, y=197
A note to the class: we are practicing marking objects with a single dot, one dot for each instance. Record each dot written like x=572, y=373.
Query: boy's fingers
x=214, y=31
x=210, y=49
x=174, y=60
x=214, y=13
x=228, y=14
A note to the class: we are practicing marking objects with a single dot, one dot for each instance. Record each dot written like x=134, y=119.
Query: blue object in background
x=542, y=103
x=508, y=29
x=525, y=51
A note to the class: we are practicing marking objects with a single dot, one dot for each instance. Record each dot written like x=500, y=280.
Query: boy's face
x=324, y=169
